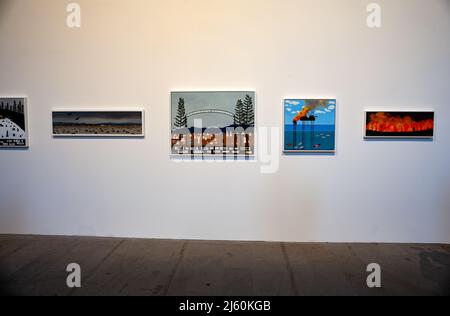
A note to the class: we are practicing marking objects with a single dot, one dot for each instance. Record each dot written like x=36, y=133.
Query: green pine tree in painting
x=239, y=113
x=181, y=118
x=249, y=112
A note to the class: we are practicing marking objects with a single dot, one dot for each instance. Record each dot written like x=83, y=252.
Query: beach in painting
x=98, y=123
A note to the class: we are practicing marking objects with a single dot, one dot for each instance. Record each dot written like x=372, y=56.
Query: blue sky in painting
x=324, y=115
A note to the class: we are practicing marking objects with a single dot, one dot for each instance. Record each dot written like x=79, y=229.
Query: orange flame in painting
x=383, y=122
x=310, y=106
x=303, y=113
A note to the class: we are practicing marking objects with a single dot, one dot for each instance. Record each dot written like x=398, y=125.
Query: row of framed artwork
x=217, y=124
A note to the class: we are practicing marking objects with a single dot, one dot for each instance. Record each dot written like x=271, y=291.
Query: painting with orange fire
x=310, y=126
x=399, y=125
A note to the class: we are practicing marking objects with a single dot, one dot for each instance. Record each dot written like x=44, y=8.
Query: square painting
x=219, y=124
x=13, y=123
x=98, y=123
x=382, y=124
x=309, y=125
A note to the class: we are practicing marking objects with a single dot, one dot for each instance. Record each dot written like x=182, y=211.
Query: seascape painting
x=310, y=125
x=98, y=123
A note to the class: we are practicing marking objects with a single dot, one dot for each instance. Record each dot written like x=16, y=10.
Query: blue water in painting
x=322, y=138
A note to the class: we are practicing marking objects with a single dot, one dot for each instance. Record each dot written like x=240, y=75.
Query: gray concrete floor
x=31, y=265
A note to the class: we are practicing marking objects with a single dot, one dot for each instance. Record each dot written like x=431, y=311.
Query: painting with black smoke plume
x=309, y=126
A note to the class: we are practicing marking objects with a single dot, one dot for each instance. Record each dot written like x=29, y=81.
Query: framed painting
x=392, y=124
x=309, y=126
x=13, y=123
x=104, y=123
x=213, y=124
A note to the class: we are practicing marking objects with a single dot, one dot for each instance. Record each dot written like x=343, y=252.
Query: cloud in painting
x=290, y=102
x=331, y=107
x=320, y=112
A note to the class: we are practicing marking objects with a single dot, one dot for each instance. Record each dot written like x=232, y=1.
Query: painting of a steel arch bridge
x=219, y=124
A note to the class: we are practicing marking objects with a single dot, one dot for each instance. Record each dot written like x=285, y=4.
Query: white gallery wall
x=134, y=53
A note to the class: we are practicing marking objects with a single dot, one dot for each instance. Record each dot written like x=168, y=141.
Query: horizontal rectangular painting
x=216, y=124
x=380, y=124
x=98, y=123
x=309, y=125
x=13, y=123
